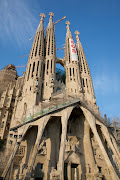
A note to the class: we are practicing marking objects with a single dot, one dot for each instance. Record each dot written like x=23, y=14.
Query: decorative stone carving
x=54, y=175
x=36, y=85
x=51, y=81
x=77, y=147
x=42, y=149
x=97, y=151
x=72, y=146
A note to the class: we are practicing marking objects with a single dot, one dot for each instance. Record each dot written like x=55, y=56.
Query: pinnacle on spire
x=50, y=24
x=68, y=23
x=51, y=15
x=77, y=35
x=42, y=16
x=68, y=34
x=78, y=44
x=40, y=27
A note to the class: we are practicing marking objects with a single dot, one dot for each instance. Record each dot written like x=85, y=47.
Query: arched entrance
x=74, y=152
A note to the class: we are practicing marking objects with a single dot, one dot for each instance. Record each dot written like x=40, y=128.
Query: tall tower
x=35, y=67
x=87, y=84
x=50, y=60
x=73, y=84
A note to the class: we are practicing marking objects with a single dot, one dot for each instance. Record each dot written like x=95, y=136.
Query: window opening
x=51, y=65
x=37, y=68
x=29, y=72
x=70, y=71
x=86, y=83
x=47, y=66
x=33, y=69
x=83, y=83
x=73, y=72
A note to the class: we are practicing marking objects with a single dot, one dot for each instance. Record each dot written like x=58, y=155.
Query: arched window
x=43, y=70
x=40, y=48
x=86, y=83
x=70, y=72
x=33, y=69
x=36, y=46
x=51, y=65
x=83, y=83
x=37, y=68
x=77, y=74
x=47, y=66
x=49, y=46
x=73, y=72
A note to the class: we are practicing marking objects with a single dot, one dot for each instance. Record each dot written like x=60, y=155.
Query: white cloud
x=106, y=83
x=16, y=21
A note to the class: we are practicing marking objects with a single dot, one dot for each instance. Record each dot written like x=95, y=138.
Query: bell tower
x=33, y=85
x=87, y=84
x=73, y=83
x=50, y=60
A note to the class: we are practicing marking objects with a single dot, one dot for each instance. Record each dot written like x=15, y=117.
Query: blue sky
x=98, y=22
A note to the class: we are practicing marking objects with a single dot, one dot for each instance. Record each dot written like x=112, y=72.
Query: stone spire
x=50, y=24
x=68, y=34
x=87, y=84
x=38, y=44
x=79, y=45
x=50, y=61
x=73, y=83
x=41, y=27
x=35, y=67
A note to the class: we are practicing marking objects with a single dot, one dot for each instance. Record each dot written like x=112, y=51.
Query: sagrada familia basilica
x=52, y=130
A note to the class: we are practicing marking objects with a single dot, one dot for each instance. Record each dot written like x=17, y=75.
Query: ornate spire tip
x=77, y=32
x=51, y=14
x=42, y=15
x=68, y=23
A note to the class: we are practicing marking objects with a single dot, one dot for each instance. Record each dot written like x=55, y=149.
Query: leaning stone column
x=107, y=137
x=41, y=127
x=92, y=122
x=89, y=158
x=115, y=145
x=64, y=119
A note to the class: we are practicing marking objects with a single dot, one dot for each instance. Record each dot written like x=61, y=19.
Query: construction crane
x=23, y=56
x=54, y=24
x=20, y=66
x=60, y=20
x=60, y=48
x=34, y=36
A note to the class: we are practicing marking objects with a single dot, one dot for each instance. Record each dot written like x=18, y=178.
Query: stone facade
x=51, y=130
